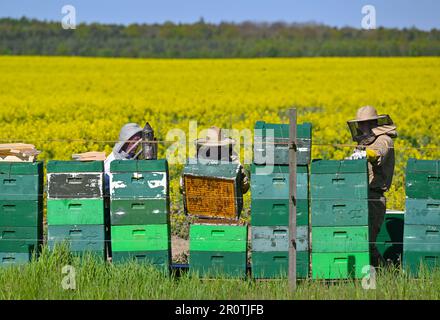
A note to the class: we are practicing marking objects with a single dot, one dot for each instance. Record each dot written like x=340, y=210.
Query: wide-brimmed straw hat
x=384, y=123
x=214, y=137
x=368, y=113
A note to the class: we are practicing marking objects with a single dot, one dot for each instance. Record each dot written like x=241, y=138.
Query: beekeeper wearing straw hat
x=215, y=145
x=374, y=135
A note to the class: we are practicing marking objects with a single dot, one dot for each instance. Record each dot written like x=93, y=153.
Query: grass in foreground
x=42, y=279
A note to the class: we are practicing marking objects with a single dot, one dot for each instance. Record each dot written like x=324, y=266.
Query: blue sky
x=423, y=14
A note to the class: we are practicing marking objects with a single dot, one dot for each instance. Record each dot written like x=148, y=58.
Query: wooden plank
x=18, y=152
x=292, y=199
x=89, y=156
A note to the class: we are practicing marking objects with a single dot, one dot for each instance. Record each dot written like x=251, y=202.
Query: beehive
x=21, y=211
x=339, y=192
x=270, y=220
x=75, y=206
x=421, y=240
x=340, y=232
x=271, y=143
x=140, y=205
x=218, y=250
x=213, y=190
x=270, y=195
x=422, y=179
x=275, y=264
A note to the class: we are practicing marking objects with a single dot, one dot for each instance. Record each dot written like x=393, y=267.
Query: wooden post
x=292, y=199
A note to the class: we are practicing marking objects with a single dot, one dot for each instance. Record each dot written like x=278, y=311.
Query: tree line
x=205, y=40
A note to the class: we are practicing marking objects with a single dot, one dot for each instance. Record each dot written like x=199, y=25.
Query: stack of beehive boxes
x=422, y=215
x=213, y=194
x=270, y=200
x=139, y=206
x=21, y=211
x=339, y=193
x=75, y=206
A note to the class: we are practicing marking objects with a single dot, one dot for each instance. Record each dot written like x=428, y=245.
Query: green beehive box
x=422, y=179
x=270, y=265
x=273, y=139
x=341, y=212
x=272, y=182
x=21, y=180
x=340, y=239
x=75, y=211
x=218, y=263
x=159, y=259
x=21, y=213
x=139, y=211
x=267, y=239
x=14, y=258
x=225, y=238
x=61, y=166
x=422, y=211
x=421, y=238
x=154, y=237
x=340, y=265
x=79, y=238
x=339, y=180
x=139, y=179
x=275, y=212
x=413, y=261
x=20, y=239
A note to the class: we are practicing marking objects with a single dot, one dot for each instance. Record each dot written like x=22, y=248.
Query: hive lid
x=21, y=168
x=303, y=130
x=59, y=166
x=217, y=169
x=139, y=165
x=423, y=166
x=338, y=166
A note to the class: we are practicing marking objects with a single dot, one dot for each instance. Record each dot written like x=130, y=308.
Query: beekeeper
x=126, y=148
x=374, y=135
x=217, y=147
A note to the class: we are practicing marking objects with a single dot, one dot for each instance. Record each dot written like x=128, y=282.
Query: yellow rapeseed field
x=48, y=100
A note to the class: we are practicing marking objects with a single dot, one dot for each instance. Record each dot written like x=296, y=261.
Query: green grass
x=42, y=278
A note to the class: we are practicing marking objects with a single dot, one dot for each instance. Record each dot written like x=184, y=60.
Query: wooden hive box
x=213, y=190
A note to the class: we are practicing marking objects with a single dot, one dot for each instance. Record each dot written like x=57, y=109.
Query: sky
x=423, y=14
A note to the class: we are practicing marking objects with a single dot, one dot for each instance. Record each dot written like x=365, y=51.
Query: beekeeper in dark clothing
x=374, y=134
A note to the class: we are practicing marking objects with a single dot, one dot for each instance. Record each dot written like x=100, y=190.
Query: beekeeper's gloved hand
x=372, y=155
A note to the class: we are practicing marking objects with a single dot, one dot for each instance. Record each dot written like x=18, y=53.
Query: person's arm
x=245, y=184
x=379, y=150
